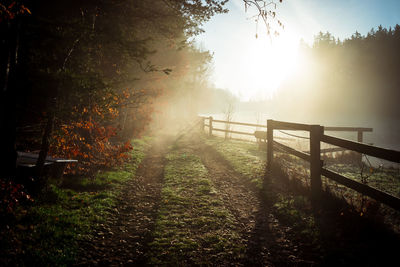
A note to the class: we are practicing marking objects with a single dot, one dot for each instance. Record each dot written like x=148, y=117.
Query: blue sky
x=308, y=17
x=340, y=17
x=231, y=36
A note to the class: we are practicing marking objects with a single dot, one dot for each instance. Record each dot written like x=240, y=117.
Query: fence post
x=316, y=133
x=210, y=120
x=360, y=136
x=270, y=143
x=202, y=124
x=359, y=139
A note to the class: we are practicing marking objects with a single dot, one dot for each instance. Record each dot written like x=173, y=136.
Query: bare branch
x=266, y=10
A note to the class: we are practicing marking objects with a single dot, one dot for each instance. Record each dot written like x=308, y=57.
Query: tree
x=229, y=111
x=11, y=13
x=358, y=76
x=83, y=63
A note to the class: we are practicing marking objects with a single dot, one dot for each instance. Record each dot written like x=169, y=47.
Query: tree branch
x=266, y=10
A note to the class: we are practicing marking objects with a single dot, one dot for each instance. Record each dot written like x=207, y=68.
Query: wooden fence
x=211, y=128
x=317, y=135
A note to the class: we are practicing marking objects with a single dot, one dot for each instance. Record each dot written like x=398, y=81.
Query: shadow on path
x=123, y=238
x=263, y=236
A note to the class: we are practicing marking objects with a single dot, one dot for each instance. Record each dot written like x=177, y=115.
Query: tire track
x=267, y=241
x=122, y=240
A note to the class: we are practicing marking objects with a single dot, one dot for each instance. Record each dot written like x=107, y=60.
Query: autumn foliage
x=89, y=142
x=91, y=135
x=10, y=9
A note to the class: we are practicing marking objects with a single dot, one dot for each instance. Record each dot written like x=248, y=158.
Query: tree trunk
x=8, y=82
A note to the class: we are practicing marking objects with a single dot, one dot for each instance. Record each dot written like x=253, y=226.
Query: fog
x=352, y=83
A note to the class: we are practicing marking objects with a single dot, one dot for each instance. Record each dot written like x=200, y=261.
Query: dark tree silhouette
x=82, y=63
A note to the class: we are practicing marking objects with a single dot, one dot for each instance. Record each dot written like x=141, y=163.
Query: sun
x=265, y=64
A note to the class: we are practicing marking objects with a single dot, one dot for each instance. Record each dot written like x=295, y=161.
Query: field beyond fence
x=315, y=156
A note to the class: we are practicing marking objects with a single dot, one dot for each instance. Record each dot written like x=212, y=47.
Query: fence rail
x=293, y=151
x=283, y=126
x=317, y=135
x=374, y=151
x=211, y=127
x=241, y=123
x=383, y=197
x=231, y=131
x=316, y=168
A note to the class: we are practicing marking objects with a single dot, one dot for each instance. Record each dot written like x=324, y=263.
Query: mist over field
x=353, y=83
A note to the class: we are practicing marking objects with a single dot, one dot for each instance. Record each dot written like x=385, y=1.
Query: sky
x=253, y=68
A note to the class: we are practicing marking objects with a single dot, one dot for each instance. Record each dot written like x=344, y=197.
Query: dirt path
x=122, y=240
x=267, y=241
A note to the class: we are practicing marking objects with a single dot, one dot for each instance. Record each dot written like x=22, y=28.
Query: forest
x=73, y=73
x=358, y=76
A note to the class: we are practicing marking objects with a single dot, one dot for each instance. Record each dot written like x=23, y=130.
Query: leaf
x=11, y=5
x=24, y=8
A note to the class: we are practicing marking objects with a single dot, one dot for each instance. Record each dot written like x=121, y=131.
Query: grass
x=47, y=232
x=348, y=165
x=192, y=226
x=244, y=157
x=385, y=179
x=319, y=231
x=291, y=209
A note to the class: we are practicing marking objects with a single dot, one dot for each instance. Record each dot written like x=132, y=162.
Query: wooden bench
x=55, y=166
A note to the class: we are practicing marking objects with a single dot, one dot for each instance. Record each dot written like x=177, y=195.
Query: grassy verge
x=192, y=227
x=244, y=157
x=320, y=231
x=385, y=179
x=47, y=232
x=291, y=209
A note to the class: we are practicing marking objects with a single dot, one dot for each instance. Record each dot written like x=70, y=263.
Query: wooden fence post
x=270, y=143
x=202, y=124
x=360, y=136
x=316, y=133
x=359, y=139
x=210, y=128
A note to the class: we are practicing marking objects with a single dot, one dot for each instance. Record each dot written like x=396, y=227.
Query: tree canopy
x=90, y=71
x=357, y=76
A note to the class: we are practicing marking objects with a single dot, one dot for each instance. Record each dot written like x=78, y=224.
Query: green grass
x=292, y=211
x=248, y=160
x=385, y=179
x=47, y=232
x=192, y=225
x=244, y=157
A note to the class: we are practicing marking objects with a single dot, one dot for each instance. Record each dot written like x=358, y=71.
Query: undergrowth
x=333, y=230
x=47, y=232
